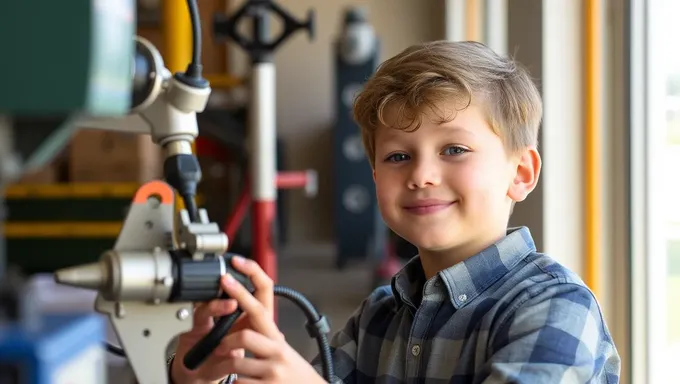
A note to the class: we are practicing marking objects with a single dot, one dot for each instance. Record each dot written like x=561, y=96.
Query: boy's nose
x=424, y=175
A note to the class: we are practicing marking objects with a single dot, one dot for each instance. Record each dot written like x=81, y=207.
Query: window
x=655, y=188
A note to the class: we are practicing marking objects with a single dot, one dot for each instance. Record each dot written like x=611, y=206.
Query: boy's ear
x=526, y=174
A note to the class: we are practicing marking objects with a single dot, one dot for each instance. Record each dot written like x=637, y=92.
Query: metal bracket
x=145, y=329
x=202, y=237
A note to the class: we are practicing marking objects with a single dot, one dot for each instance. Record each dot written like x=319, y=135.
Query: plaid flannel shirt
x=507, y=314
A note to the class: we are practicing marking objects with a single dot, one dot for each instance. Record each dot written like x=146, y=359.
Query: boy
x=450, y=130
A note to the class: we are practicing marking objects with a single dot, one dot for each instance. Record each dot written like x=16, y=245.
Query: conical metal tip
x=89, y=276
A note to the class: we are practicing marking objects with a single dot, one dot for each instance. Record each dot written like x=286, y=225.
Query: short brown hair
x=425, y=75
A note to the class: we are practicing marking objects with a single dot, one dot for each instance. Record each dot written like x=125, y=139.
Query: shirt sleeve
x=557, y=335
x=343, y=346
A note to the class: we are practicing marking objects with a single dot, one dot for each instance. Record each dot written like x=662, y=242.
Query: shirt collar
x=468, y=279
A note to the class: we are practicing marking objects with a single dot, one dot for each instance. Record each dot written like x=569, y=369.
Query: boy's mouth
x=427, y=206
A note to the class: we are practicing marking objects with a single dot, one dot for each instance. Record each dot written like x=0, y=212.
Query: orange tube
x=223, y=81
x=176, y=27
x=472, y=26
x=592, y=144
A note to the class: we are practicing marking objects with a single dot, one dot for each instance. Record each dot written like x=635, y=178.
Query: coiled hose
x=317, y=327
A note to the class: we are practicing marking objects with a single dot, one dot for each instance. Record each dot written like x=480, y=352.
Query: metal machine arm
x=163, y=106
x=147, y=285
x=148, y=282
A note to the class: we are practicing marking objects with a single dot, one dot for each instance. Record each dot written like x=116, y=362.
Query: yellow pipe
x=71, y=191
x=63, y=229
x=592, y=143
x=176, y=27
x=177, y=44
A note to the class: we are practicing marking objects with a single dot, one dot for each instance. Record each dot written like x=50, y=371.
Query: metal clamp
x=259, y=45
x=201, y=237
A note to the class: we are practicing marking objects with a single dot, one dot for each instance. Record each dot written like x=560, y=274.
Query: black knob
x=220, y=26
x=310, y=24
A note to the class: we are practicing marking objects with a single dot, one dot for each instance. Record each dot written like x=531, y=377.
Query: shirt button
x=437, y=283
x=415, y=350
x=462, y=297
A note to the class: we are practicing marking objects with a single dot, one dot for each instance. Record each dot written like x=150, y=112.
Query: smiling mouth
x=426, y=209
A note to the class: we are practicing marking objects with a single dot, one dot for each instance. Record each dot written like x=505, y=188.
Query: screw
x=183, y=314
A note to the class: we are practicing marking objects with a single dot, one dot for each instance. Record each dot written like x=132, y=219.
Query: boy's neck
x=435, y=261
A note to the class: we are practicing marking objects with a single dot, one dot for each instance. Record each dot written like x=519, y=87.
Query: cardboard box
x=44, y=175
x=103, y=156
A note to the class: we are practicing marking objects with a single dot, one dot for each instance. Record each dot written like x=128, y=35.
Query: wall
x=305, y=91
x=617, y=304
x=525, y=45
x=545, y=37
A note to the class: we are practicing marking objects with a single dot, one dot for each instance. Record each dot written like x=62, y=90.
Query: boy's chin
x=433, y=243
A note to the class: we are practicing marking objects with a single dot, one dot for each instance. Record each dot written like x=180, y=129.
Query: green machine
x=60, y=59
x=79, y=65
x=65, y=57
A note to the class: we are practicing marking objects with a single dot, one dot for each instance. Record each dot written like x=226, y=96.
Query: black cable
x=195, y=69
x=195, y=31
x=118, y=351
x=316, y=325
x=192, y=209
x=201, y=350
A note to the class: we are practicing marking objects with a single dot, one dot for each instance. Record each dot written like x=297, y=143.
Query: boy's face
x=445, y=186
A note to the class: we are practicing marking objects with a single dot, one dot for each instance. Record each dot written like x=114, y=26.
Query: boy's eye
x=397, y=157
x=455, y=150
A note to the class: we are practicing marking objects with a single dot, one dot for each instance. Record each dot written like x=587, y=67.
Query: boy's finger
x=255, y=369
x=252, y=341
x=263, y=284
x=248, y=381
x=258, y=315
x=224, y=351
x=204, y=312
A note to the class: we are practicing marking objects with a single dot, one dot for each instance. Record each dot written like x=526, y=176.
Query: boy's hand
x=214, y=368
x=275, y=361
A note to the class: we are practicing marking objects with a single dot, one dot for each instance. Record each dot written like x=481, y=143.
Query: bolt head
x=183, y=314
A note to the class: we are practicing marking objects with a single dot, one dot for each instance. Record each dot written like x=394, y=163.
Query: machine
x=262, y=114
x=160, y=264
x=359, y=229
x=89, y=73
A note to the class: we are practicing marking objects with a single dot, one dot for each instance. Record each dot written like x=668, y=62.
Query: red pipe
x=236, y=218
x=291, y=179
x=206, y=147
x=263, y=251
x=264, y=212
x=284, y=180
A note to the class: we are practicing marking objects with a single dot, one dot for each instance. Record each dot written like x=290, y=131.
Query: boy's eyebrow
x=394, y=134
x=456, y=128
